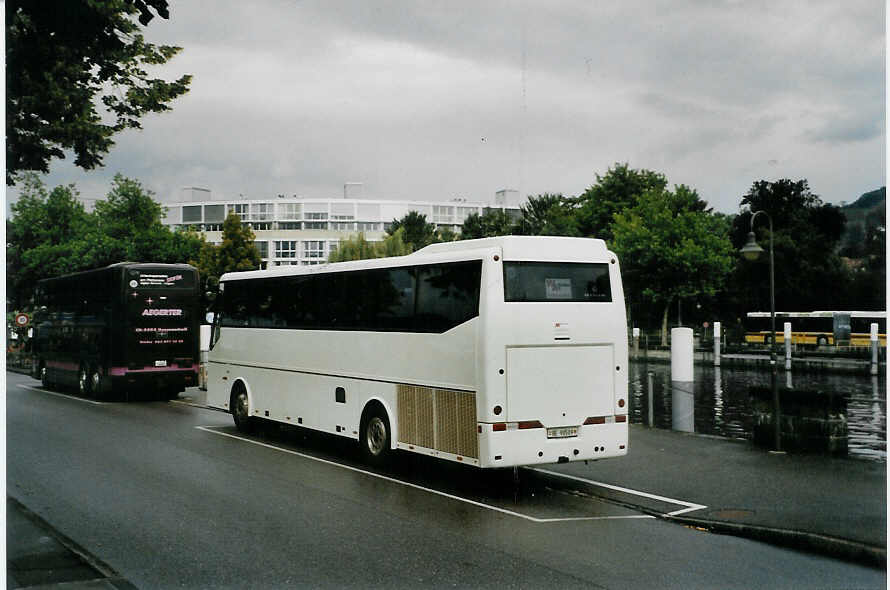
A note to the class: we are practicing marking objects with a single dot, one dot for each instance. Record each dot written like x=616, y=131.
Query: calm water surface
x=720, y=404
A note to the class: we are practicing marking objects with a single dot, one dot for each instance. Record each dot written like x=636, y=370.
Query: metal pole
x=772, y=316
x=874, y=349
x=650, y=377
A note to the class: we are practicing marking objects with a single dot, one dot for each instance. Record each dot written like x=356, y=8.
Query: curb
x=104, y=573
x=836, y=547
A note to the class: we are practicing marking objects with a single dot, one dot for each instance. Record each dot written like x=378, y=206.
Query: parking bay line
x=419, y=487
x=690, y=506
x=62, y=395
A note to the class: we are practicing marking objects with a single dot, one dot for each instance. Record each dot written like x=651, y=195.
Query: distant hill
x=868, y=211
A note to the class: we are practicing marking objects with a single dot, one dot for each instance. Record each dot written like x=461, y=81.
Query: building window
x=286, y=249
x=212, y=227
x=342, y=226
x=290, y=211
x=315, y=225
x=214, y=213
x=290, y=225
x=261, y=212
x=239, y=209
x=442, y=214
x=362, y=226
x=261, y=226
x=263, y=248
x=191, y=213
x=313, y=249
x=309, y=215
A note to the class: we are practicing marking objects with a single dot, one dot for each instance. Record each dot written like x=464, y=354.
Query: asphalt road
x=171, y=496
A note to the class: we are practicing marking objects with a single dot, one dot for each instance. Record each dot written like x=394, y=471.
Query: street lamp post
x=752, y=251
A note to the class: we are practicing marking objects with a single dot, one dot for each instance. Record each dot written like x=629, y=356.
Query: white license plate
x=160, y=363
x=562, y=432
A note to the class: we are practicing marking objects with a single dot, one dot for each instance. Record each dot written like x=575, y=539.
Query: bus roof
x=526, y=248
x=158, y=265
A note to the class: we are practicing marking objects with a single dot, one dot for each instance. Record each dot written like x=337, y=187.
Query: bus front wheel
x=240, y=405
x=375, y=435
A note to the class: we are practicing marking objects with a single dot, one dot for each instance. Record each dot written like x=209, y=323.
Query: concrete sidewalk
x=835, y=506
x=39, y=557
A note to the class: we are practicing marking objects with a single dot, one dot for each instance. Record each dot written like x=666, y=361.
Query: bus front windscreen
x=563, y=282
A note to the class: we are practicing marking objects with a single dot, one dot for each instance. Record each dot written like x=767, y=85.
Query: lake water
x=720, y=404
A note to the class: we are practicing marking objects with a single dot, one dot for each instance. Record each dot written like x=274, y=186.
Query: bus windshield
x=564, y=282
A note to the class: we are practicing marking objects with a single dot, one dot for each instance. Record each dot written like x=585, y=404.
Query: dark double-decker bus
x=123, y=329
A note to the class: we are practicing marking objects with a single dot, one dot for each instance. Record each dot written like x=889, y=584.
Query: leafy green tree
x=445, y=234
x=42, y=237
x=354, y=248
x=237, y=251
x=394, y=244
x=809, y=273
x=494, y=222
x=616, y=191
x=548, y=215
x=418, y=231
x=63, y=58
x=359, y=248
x=671, y=245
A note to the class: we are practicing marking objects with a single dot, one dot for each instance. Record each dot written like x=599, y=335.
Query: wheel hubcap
x=241, y=406
x=376, y=435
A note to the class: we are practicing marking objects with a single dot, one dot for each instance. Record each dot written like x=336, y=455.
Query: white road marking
x=690, y=506
x=62, y=395
x=415, y=486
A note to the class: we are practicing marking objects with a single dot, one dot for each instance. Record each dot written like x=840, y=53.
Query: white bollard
x=636, y=336
x=787, y=346
x=874, y=349
x=716, y=344
x=682, y=377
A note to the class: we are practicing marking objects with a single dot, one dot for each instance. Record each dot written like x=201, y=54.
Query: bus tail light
x=530, y=424
x=620, y=418
x=595, y=420
x=499, y=426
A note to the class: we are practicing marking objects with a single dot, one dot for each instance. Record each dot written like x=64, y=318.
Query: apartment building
x=295, y=230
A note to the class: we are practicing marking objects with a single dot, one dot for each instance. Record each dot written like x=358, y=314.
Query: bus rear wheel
x=240, y=405
x=375, y=436
x=83, y=381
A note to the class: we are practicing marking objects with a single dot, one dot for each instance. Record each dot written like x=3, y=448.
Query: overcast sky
x=437, y=100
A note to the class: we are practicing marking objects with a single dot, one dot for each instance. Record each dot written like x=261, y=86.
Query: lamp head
x=751, y=250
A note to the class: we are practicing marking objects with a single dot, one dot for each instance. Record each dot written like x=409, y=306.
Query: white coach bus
x=495, y=352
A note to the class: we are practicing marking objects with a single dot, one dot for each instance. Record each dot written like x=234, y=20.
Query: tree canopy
x=418, y=231
x=65, y=56
x=809, y=274
x=670, y=245
x=50, y=233
x=617, y=190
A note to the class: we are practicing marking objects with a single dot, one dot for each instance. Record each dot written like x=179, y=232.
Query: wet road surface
x=170, y=495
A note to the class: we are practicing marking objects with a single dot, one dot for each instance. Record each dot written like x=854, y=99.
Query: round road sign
x=22, y=320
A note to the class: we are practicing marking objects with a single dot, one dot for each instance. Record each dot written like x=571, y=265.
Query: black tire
x=83, y=381
x=375, y=436
x=768, y=340
x=240, y=407
x=43, y=373
x=96, y=383
x=822, y=341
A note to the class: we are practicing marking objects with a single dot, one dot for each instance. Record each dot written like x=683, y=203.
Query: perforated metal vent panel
x=440, y=419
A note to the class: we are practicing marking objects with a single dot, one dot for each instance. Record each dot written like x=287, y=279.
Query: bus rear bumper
x=532, y=447
x=169, y=382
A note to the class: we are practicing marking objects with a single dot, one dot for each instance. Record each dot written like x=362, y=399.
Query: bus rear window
x=564, y=282
x=160, y=279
